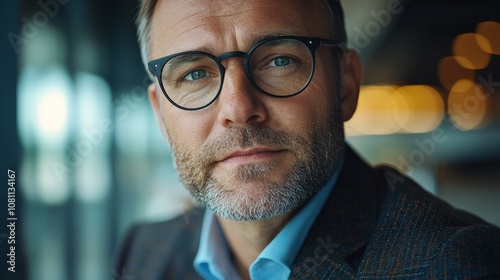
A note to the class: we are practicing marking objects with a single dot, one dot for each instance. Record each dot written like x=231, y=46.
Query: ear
x=350, y=66
x=155, y=104
x=153, y=99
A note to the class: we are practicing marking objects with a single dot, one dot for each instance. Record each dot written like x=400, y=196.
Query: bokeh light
x=389, y=109
x=491, y=31
x=468, y=50
x=376, y=112
x=467, y=104
x=426, y=108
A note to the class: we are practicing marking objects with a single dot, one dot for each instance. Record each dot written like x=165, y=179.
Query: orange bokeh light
x=491, y=31
x=468, y=50
x=389, y=109
x=467, y=105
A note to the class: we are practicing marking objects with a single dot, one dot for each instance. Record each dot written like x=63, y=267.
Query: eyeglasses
x=279, y=67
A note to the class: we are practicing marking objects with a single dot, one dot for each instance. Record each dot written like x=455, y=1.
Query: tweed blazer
x=376, y=224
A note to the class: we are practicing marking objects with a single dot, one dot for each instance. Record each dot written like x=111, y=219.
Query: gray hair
x=143, y=22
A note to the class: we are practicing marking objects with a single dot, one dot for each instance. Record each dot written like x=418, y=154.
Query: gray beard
x=315, y=160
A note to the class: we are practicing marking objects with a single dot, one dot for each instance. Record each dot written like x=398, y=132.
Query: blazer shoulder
x=434, y=239
x=403, y=191
x=472, y=252
x=162, y=249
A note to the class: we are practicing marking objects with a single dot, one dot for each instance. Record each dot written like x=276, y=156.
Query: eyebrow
x=251, y=41
x=178, y=61
x=260, y=37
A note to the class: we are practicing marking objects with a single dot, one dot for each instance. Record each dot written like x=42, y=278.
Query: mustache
x=246, y=137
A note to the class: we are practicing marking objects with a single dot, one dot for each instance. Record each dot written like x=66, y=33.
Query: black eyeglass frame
x=312, y=43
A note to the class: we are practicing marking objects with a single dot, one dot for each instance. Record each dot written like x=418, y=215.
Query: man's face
x=250, y=156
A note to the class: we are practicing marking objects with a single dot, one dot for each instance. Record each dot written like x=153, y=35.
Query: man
x=252, y=96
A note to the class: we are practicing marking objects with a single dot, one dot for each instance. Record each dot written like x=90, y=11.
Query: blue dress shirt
x=213, y=259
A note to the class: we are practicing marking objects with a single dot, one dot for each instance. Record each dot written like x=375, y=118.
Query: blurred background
x=90, y=160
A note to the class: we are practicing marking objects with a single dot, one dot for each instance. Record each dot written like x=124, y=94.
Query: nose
x=240, y=104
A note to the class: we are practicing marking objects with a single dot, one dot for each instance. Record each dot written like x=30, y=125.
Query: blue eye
x=196, y=75
x=281, y=61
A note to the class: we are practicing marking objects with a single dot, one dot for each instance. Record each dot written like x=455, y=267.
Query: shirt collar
x=279, y=255
x=213, y=259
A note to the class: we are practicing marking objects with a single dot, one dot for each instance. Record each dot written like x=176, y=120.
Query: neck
x=247, y=239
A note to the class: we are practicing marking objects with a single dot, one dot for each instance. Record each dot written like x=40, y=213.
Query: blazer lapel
x=335, y=243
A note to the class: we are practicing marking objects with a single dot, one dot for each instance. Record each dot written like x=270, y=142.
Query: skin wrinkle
x=333, y=16
x=213, y=43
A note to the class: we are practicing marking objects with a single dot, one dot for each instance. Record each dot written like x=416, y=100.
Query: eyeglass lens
x=280, y=67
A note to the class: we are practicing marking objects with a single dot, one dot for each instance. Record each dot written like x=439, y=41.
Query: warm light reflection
x=449, y=72
x=468, y=50
x=375, y=113
x=467, y=105
x=491, y=31
x=426, y=108
x=389, y=109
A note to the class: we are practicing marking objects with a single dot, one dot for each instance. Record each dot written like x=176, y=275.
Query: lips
x=253, y=154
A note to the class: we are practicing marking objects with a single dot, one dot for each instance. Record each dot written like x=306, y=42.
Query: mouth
x=253, y=155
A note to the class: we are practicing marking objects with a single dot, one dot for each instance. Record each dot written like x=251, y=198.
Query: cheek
x=324, y=97
x=308, y=109
x=323, y=91
x=187, y=129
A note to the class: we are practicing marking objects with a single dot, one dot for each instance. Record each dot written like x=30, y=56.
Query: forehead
x=181, y=25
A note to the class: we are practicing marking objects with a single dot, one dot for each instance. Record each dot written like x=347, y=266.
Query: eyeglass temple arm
x=333, y=43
